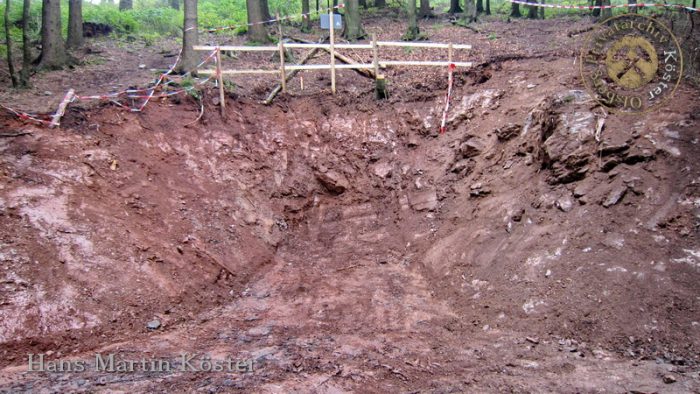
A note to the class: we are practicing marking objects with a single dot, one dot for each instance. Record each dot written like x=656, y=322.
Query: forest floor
x=343, y=244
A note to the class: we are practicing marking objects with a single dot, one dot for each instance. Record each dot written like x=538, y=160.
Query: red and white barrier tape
x=593, y=7
x=160, y=79
x=130, y=93
x=288, y=17
x=448, y=96
x=26, y=116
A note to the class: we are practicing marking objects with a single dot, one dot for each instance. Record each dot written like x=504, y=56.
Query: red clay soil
x=343, y=245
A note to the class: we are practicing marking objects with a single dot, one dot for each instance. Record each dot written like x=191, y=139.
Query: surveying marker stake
x=332, y=28
x=283, y=74
x=220, y=80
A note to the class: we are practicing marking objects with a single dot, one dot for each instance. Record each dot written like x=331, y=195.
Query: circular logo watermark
x=631, y=63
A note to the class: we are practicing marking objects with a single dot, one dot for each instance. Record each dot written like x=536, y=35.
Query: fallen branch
x=349, y=267
x=17, y=134
x=201, y=112
x=514, y=56
x=342, y=58
x=580, y=31
x=291, y=75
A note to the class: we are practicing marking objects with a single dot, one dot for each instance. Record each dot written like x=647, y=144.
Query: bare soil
x=344, y=245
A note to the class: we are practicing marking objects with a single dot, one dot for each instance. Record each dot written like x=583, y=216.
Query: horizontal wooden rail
x=268, y=48
x=300, y=45
x=386, y=63
x=234, y=72
x=422, y=45
x=366, y=66
x=327, y=66
x=236, y=48
x=331, y=47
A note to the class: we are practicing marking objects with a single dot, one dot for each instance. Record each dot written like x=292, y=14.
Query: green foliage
x=188, y=83
x=229, y=85
x=148, y=21
x=152, y=19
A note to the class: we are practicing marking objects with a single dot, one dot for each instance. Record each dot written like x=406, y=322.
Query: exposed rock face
x=508, y=132
x=333, y=181
x=618, y=191
x=382, y=169
x=471, y=147
x=423, y=200
x=566, y=139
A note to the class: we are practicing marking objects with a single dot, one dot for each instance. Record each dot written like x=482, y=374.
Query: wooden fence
x=283, y=68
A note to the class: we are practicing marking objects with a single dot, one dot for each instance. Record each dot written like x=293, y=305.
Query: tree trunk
x=515, y=10
x=380, y=3
x=596, y=11
x=188, y=59
x=126, y=5
x=425, y=11
x=363, y=3
x=488, y=7
x=265, y=10
x=412, y=32
x=633, y=9
x=479, y=6
x=454, y=7
x=8, y=39
x=353, y=24
x=531, y=11
x=257, y=31
x=75, y=24
x=305, y=18
x=606, y=13
x=541, y=10
x=53, y=49
x=26, y=45
x=175, y=4
x=469, y=11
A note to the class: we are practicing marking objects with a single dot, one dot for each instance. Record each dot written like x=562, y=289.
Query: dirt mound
x=344, y=245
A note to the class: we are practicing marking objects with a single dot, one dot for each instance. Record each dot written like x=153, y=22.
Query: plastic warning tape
x=288, y=17
x=130, y=93
x=603, y=7
x=134, y=93
x=26, y=116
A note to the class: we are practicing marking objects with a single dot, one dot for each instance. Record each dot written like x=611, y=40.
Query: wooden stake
x=339, y=56
x=379, y=81
x=375, y=55
x=283, y=76
x=291, y=75
x=56, y=118
x=220, y=80
x=380, y=88
x=332, y=37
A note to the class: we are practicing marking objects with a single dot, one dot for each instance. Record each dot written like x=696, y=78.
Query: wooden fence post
x=379, y=81
x=332, y=23
x=283, y=74
x=220, y=80
x=375, y=54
